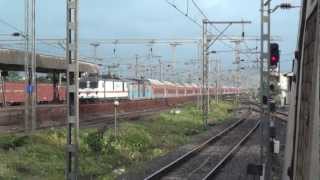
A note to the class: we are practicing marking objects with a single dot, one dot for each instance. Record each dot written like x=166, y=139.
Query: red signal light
x=274, y=60
x=274, y=54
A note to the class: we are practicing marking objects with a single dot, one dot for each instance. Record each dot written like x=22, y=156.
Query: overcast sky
x=153, y=19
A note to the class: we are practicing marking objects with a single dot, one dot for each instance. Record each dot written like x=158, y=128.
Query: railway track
x=280, y=115
x=204, y=161
x=95, y=120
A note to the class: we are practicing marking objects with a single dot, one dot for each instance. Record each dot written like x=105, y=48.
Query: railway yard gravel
x=249, y=153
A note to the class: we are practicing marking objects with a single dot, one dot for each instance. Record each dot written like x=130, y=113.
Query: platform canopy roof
x=13, y=60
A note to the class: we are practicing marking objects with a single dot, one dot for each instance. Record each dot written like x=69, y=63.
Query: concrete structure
x=14, y=60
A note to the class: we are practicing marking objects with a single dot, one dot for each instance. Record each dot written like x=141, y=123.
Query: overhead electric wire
x=249, y=50
x=23, y=35
x=206, y=17
x=199, y=9
x=186, y=15
x=10, y=25
x=212, y=25
x=195, y=21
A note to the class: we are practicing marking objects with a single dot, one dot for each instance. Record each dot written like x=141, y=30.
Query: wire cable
x=185, y=14
x=10, y=25
x=213, y=26
x=199, y=9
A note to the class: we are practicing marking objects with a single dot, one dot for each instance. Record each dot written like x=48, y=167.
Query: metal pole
x=174, y=61
x=205, y=99
x=26, y=65
x=199, y=73
x=160, y=66
x=136, y=69
x=33, y=66
x=116, y=104
x=271, y=123
x=72, y=148
x=237, y=61
x=115, y=121
x=2, y=79
x=219, y=80
x=262, y=57
x=95, y=46
x=265, y=38
x=268, y=59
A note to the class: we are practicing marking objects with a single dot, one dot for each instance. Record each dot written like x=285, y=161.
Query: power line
x=10, y=25
x=206, y=17
x=199, y=9
x=212, y=25
x=195, y=21
x=185, y=14
x=20, y=31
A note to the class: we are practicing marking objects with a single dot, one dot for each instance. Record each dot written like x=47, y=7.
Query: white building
x=285, y=87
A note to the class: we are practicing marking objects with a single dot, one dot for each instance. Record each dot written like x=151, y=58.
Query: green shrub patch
x=102, y=155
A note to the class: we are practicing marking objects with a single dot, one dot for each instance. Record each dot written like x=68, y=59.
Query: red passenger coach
x=171, y=89
x=44, y=93
x=189, y=89
x=158, y=88
x=181, y=90
x=13, y=93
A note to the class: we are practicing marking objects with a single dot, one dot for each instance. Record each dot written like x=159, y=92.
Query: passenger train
x=94, y=89
x=135, y=89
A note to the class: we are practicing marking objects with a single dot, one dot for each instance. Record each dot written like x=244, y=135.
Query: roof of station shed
x=13, y=60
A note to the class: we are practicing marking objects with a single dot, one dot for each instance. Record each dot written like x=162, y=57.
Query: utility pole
x=206, y=44
x=218, y=79
x=26, y=65
x=137, y=66
x=174, y=60
x=95, y=46
x=264, y=57
x=199, y=79
x=72, y=146
x=238, y=71
x=30, y=65
x=33, y=66
x=160, y=69
x=205, y=85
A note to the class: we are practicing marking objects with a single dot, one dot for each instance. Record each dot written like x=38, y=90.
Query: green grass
x=102, y=156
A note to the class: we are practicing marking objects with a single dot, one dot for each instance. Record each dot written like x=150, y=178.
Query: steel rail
x=214, y=171
x=282, y=113
x=164, y=170
x=274, y=114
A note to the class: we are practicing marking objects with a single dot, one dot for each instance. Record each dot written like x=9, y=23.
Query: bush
x=135, y=138
x=95, y=142
x=102, y=156
x=12, y=142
